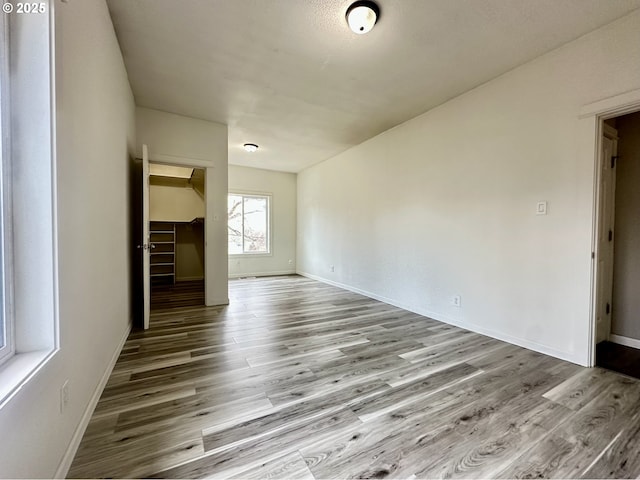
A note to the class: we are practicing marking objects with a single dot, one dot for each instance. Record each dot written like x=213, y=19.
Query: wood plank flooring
x=180, y=294
x=298, y=379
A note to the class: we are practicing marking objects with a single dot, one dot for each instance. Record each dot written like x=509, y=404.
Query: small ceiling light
x=362, y=16
x=250, y=147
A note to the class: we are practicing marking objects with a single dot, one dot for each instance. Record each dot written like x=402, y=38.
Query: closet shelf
x=163, y=235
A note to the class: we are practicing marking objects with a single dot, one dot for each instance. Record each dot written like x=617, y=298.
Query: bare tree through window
x=248, y=224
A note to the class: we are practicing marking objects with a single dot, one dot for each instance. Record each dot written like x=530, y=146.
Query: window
x=248, y=224
x=6, y=333
x=28, y=248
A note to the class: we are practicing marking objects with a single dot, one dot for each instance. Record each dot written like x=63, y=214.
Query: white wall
x=174, y=204
x=282, y=188
x=179, y=140
x=189, y=251
x=95, y=134
x=625, y=319
x=445, y=204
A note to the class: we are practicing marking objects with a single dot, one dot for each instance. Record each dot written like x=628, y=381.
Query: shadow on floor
x=619, y=358
x=180, y=294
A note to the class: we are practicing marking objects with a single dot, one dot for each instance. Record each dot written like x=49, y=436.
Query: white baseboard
x=536, y=347
x=67, y=459
x=216, y=302
x=262, y=274
x=626, y=341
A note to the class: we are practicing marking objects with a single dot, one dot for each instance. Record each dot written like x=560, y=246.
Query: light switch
x=541, y=208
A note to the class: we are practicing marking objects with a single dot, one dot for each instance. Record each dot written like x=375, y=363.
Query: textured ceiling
x=290, y=76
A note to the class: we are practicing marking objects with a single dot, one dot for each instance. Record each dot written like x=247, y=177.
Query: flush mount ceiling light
x=250, y=147
x=362, y=16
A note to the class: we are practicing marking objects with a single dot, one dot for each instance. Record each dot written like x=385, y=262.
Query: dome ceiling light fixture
x=250, y=147
x=362, y=16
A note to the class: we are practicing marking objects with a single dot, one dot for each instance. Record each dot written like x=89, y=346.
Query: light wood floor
x=297, y=379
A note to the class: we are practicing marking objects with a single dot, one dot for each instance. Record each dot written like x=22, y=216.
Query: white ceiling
x=290, y=76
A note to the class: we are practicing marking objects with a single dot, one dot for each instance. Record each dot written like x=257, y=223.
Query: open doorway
x=618, y=246
x=176, y=213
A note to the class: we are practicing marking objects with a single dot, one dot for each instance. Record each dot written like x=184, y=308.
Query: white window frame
x=30, y=210
x=7, y=349
x=260, y=195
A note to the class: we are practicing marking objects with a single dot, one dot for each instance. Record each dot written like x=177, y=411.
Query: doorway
x=176, y=213
x=617, y=305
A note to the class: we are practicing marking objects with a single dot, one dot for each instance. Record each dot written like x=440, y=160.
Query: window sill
x=249, y=255
x=18, y=370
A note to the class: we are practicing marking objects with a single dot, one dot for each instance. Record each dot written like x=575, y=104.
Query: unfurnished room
x=320, y=239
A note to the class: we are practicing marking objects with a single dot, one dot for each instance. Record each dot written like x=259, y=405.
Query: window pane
x=235, y=224
x=248, y=224
x=255, y=224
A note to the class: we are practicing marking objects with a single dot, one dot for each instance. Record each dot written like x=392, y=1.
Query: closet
x=176, y=211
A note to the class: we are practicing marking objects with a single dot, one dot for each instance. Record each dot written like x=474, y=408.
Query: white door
x=606, y=236
x=146, y=245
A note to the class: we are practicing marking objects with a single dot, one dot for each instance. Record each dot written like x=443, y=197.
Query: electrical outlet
x=456, y=301
x=332, y=268
x=541, y=208
x=64, y=396
x=290, y=262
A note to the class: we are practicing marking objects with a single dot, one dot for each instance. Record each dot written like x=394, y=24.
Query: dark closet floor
x=180, y=294
x=619, y=358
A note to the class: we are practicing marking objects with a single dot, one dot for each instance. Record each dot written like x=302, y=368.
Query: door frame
x=146, y=240
x=605, y=215
x=215, y=225
x=592, y=117
x=206, y=172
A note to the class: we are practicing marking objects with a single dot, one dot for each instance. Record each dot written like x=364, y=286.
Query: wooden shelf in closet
x=163, y=253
